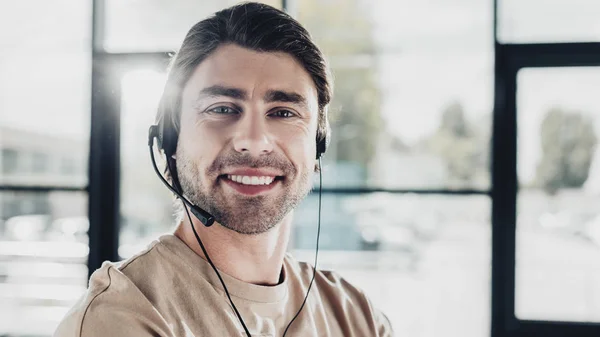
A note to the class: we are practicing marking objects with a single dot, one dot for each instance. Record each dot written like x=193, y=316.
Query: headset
x=166, y=137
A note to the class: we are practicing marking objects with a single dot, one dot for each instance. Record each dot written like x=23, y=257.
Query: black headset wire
x=199, y=241
x=183, y=201
x=216, y=271
x=316, y=251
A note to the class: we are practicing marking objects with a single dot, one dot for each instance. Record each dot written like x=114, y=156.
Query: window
x=43, y=256
x=146, y=204
x=548, y=21
x=45, y=81
x=558, y=229
x=44, y=100
x=411, y=109
x=417, y=257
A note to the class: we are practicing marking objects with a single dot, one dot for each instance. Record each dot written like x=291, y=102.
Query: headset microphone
x=206, y=218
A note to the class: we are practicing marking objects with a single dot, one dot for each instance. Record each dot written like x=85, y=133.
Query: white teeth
x=251, y=180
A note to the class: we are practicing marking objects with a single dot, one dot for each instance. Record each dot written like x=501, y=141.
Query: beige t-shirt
x=168, y=290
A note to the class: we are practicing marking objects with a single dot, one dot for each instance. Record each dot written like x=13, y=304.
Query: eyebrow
x=241, y=94
x=287, y=97
x=219, y=90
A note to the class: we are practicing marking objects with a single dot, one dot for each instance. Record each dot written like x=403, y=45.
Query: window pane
x=156, y=25
x=38, y=158
x=43, y=259
x=413, y=90
x=417, y=257
x=558, y=273
x=44, y=91
x=146, y=204
x=548, y=21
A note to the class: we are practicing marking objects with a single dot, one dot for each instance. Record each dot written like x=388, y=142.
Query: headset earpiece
x=321, y=145
x=166, y=136
x=323, y=139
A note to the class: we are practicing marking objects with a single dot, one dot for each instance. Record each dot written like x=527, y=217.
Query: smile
x=251, y=180
x=251, y=185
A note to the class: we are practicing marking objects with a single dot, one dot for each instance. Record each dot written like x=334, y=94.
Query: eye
x=283, y=114
x=223, y=110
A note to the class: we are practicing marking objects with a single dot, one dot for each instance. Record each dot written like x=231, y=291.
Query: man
x=242, y=119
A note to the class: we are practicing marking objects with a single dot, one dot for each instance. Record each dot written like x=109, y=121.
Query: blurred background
x=410, y=183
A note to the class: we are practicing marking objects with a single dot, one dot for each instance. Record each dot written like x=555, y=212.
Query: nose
x=252, y=136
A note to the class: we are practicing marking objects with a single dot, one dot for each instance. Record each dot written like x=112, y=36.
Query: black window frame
x=509, y=59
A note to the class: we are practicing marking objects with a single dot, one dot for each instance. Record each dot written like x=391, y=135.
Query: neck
x=256, y=259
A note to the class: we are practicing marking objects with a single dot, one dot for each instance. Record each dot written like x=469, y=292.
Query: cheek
x=301, y=150
x=201, y=142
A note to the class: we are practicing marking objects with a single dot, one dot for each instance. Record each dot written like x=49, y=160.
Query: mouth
x=251, y=184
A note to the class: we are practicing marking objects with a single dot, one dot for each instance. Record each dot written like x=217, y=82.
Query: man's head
x=243, y=109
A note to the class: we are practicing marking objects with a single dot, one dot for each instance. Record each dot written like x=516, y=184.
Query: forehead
x=256, y=72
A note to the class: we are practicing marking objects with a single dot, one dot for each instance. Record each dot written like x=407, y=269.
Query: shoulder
x=338, y=294
x=114, y=301
x=330, y=283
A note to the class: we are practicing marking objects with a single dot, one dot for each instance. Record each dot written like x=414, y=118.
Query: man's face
x=246, y=150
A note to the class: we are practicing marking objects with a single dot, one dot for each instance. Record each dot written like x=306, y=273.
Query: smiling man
x=242, y=122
